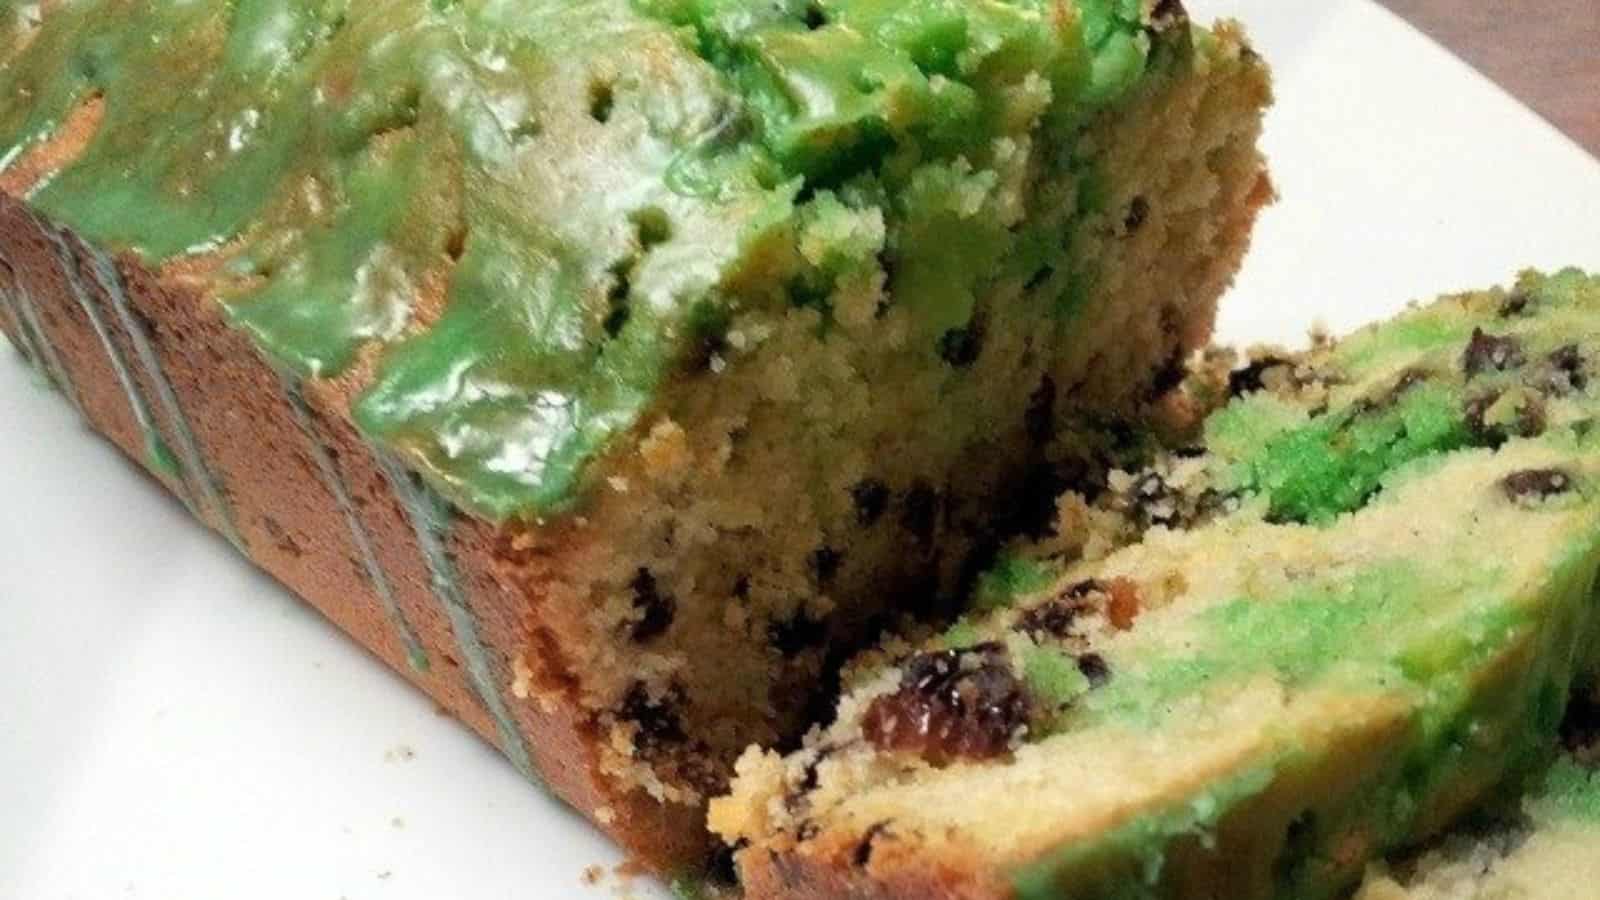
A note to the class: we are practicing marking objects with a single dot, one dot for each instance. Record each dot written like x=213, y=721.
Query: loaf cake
x=1347, y=615
x=606, y=368
x=1547, y=847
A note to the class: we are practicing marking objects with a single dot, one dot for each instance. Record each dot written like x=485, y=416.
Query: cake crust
x=290, y=521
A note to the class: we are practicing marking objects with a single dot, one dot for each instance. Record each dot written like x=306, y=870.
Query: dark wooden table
x=1546, y=52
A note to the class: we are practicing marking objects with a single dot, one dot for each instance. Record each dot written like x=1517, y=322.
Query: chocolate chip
x=1037, y=279
x=1040, y=419
x=1169, y=376
x=1138, y=214
x=1212, y=503
x=1567, y=372
x=1298, y=848
x=1530, y=420
x=960, y=347
x=1056, y=616
x=1536, y=485
x=1515, y=304
x=863, y=853
x=1053, y=618
x=891, y=268
x=1155, y=502
x=824, y=565
x=656, y=611
x=871, y=498
x=1580, y=730
x=921, y=512
x=721, y=869
x=658, y=722
x=810, y=777
x=1252, y=378
x=1167, y=14
x=951, y=704
x=797, y=634
x=1486, y=352
x=1095, y=668
x=619, y=298
x=1474, y=412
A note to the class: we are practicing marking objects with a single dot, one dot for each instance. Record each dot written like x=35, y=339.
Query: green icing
x=584, y=185
x=340, y=283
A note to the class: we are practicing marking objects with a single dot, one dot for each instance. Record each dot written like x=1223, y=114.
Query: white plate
x=173, y=725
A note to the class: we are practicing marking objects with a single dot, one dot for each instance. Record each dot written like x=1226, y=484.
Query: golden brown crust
x=291, y=523
x=869, y=867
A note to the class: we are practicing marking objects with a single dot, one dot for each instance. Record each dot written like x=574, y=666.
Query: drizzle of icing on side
x=110, y=281
x=32, y=333
x=157, y=453
x=22, y=339
x=428, y=514
x=416, y=654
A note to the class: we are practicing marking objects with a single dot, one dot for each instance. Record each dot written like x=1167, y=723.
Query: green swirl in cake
x=1349, y=615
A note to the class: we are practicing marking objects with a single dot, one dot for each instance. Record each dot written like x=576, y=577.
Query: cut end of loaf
x=827, y=475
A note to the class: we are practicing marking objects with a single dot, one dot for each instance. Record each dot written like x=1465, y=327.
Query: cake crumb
x=624, y=875
x=522, y=678
x=592, y=875
x=666, y=450
x=399, y=753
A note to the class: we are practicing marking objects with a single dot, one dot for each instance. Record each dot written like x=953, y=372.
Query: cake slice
x=1547, y=848
x=1347, y=617
x=607, y=367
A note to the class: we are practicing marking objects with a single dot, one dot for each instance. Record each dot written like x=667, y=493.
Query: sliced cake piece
x=605, y=366
x=1354, y=611
x=1547, y=848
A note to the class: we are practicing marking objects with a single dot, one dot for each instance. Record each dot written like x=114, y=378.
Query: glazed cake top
x=513, y=219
